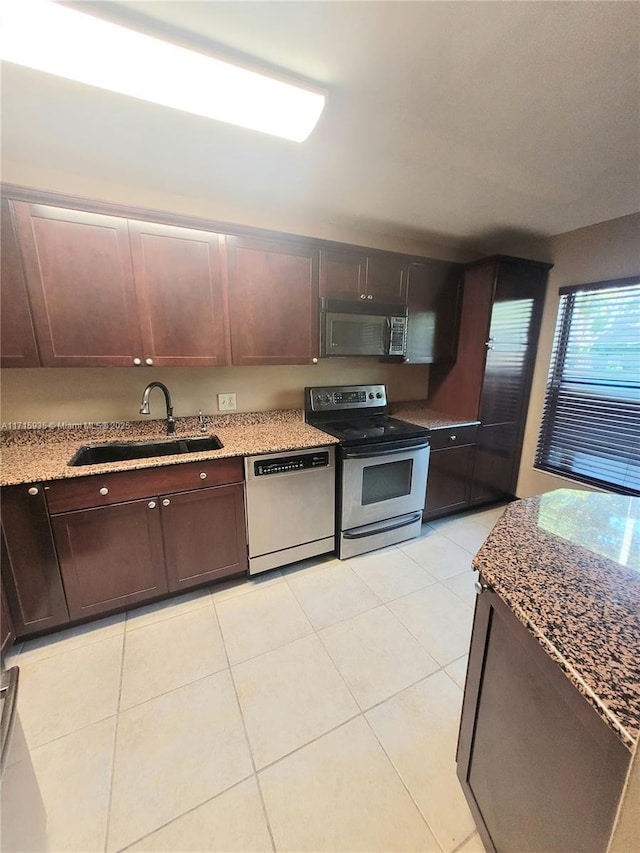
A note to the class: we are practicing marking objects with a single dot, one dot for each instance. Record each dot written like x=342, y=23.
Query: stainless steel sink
x=123, y=451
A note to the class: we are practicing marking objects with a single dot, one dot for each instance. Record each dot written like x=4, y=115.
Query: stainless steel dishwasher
x=290, y=506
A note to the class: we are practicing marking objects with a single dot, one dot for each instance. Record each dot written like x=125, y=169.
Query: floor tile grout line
x=115, y=743
x=246, y=736
x=25, y=662
x=440, y=848
x=467, y=839
x=129, y=844
x=166, y=618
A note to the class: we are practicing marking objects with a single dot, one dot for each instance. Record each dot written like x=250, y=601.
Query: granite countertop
x=418, y=412
x=42, y=451
x=567, y=563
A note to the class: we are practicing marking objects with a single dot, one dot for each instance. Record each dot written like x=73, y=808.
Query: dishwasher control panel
x=284, y=464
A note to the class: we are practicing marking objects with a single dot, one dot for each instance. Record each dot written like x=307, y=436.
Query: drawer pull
x=166, y=502
x=452, y=437
x=104, y=490
x=152, y=504
x=33, y=490
x=203, y=475
x=137, y=361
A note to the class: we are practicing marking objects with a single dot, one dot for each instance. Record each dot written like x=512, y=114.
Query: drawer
x=453, y=436
x=104, y=489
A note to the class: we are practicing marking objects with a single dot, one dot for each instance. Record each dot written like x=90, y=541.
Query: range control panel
x=340, y=397
x=284, y=464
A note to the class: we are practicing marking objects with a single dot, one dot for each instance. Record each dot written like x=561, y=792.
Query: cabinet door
x=7, y=634
x=17, y=337
x=204, y=535
x=539, y=768
x=181, y=304
x=448, y=481
x=80, y=283
x=496, y=461
x=387, y=277
x=273, y=302
x=29, y=563
x=343, y=274
x=433, y=310
x=110, y=557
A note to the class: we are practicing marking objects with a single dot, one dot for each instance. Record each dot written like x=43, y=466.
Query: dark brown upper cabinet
x=434, y=311
x=353, y=273
x=180, y=297
x=273, y=301
x=80, y=283
x=17, y=338
x=107, y=291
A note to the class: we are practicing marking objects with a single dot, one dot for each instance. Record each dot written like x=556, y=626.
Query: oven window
x=386, y=481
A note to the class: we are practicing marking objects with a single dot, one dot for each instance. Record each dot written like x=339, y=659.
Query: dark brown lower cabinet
x=450, y=468
x=130, y=551
x=540, y=769
x=110, y=556
x=30, y=571
x=204, y=535
x=7, y=634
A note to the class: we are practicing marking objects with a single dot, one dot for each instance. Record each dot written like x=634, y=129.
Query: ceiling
x=470, y=123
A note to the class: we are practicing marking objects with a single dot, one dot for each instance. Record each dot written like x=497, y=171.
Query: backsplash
x=109, y=394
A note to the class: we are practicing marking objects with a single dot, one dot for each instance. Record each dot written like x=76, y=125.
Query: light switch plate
x=226, y=402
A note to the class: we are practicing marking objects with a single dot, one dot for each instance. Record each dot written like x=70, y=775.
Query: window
x=590, y=428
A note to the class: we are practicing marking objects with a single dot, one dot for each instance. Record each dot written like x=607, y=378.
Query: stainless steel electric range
x=382, y=466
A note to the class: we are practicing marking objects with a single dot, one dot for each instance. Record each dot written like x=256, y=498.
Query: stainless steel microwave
x=348, y=328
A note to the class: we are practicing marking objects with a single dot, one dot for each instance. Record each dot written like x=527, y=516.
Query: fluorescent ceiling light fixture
x=62, y=41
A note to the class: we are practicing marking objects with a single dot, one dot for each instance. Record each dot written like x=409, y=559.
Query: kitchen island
x=551, y=711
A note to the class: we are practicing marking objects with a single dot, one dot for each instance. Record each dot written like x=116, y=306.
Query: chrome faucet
x=144, y=405
x=202, y=421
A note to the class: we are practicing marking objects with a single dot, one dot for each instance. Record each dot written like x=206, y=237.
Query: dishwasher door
x=290, y=506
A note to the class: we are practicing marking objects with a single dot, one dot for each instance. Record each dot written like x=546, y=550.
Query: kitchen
x=141, y=176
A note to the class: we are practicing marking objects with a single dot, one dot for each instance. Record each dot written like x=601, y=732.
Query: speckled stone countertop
x=568, y=565
x=418, y=412
x=42, y=451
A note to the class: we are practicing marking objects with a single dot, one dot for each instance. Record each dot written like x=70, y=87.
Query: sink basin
x=115, y=451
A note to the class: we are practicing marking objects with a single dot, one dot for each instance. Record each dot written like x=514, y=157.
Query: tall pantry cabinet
x=490, y=381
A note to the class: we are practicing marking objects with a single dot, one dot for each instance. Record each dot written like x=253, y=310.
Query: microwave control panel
x=345, y=397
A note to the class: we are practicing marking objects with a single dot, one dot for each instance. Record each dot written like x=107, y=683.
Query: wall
x=76, y=394
x=604, y=251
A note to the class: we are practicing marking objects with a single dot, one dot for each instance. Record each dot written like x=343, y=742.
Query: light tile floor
x=314, y=708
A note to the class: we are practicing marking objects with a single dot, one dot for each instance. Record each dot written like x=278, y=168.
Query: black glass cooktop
x=370, y=428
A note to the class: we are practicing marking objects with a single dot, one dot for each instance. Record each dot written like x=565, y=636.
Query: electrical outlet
x=226, y=402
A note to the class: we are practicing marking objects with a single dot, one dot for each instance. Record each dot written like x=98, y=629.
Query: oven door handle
x=404, y=523
x=367, y=453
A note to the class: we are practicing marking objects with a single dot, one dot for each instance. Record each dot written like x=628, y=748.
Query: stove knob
x=378, y=395
x=371, y=395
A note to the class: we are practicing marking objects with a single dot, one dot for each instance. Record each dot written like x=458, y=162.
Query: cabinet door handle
x=166, y=502
x=104, y=490
x=452, y=437
x=314, y=361
x=363, y=296
x=370, y=296
x=137, y=361
x=203, y=476
x=148, y=361
x=34, y=490
x=481, y=587
x=152, y=504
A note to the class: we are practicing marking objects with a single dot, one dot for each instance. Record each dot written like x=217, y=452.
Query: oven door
x=381, y=482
